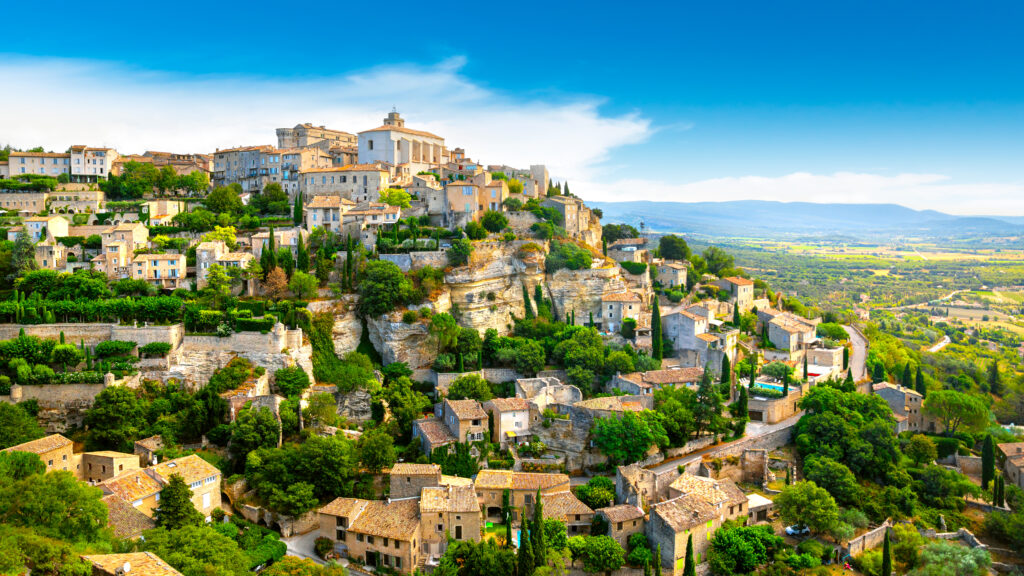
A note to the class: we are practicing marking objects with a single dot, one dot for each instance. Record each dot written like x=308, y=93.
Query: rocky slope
x=488, y=292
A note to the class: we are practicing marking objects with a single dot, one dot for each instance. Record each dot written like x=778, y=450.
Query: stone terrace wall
x=417, y=260
x=444, y=379
x=271, y=343
x=93, y=334
x=62, y=406
x=868, y=540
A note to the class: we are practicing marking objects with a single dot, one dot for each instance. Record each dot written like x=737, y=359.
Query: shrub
x=494, y=221
x=114, y=348
x=254, y=324
x=634, y=268
x=323, y=546
x=155, y=349
x=410, y=316
x=567, y=255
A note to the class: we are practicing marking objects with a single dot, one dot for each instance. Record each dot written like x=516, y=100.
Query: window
x=359, y=537
x=369, y=143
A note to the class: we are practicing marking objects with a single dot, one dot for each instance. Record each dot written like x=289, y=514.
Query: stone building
x=672, y=274
x=645, y=383
x=130, y=563
x=374, y=532
x=790, y=332
x=628, y=250
x=522, y=487
x=906, y=403
x=54, y=450
x=511, y=420
x=617, y=307
x=306, y=135
x=624, y=520
x=409, y=479
x=448, y=511
x=202, y=477
x=409, y=151
x=1012, y=455
x=100, y=466
x=327, y=212
x=564, y=506
x=741, y=291
x=355, y=182
x=466, y=420
x=90, y=164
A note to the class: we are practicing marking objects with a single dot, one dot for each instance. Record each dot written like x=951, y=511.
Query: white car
x=797, y=530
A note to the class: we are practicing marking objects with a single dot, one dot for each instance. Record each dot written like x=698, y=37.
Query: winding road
x=940, y=345
x=859, y=354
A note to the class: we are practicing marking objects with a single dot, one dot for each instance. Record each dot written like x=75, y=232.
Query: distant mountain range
x=766, y=219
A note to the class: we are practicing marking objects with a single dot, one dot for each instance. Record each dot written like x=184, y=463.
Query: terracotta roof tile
x=141, y=563
x=620, y=297
x=42, y=445
x=124, y=520
x=434, y=431
x=738, y=281
x=662, y=377
x=449, y=499
x=413, y=469
x=397, y=519
x=564, y=506
x=404, y=130
x=191, y=468
x=509, y=404
x=684, y=512
x=468, y=409
x=502, y=479
x=621, y=513
x=132, y=485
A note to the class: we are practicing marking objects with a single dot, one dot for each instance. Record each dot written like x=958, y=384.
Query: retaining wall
x=94, y=333
x=416, y=260
x=868, y=540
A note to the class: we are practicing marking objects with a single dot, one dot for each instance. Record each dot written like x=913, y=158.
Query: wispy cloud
x=920, y=191
x=65, y=101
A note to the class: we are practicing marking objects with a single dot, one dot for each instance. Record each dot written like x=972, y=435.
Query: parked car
x=797, y=530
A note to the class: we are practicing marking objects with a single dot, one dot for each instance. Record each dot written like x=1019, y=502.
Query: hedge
x=155, y=349
x=114, y=348
x=257, y=307
x=946, y=446
x=253, y=324
x=148, y=309
x=634, y=267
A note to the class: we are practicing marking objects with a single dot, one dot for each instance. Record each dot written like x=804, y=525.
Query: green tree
x=945, y=558
x=988, y=462
x=17, y=426
x=395, y=197
x=23, y=257
x=526, y=560
x=672, y=247
x=805, y=503
x=382, y=287
x=494, y=221
x=55, y=505
x=445, y=330
x=656, y=343
x=116, y=420
x=602, y=554
x=297, y=210
x=303, y=285
x=197, y=551
x=921, y=449
x=742, y=549
x=598, y=492
x=460, y=251
x=529, y=357
x=921, y=388
x=291, y=381
x=627, y=438
x=252, y=430
x=689, y=564
x=223, y=199
x=376, y=450
x=470, y=386
x=302, y=256
x=540, y=549
x=886, y=555
x=955, y=410
x=176, y=509
x=707, y=412
x=405, y=403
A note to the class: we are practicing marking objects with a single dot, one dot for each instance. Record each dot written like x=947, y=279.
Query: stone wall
x=773, y=410
x=580, y=291
x=867, y=541
x=416, y=260
x=769, y=441
x=93, y=334
x=442, y=380
x=242, y=342
x=520, y=222
x=63, y=406
x=969, y=465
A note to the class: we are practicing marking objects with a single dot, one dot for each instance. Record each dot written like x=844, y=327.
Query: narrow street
x=859, y=354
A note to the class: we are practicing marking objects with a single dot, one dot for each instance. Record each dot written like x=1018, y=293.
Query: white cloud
x=919, y=191
x=59, y=102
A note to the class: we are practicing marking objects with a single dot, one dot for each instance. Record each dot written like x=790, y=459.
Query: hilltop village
x=370, y=353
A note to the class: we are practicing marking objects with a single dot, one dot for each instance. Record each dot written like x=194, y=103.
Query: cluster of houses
x=131, y=483
x=410, y=530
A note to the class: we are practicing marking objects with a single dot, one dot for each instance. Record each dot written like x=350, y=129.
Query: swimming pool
x=776, y=387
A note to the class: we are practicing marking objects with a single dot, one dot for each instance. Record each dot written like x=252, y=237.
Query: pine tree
x=176, y=509
x=539, y=546
x=988, y=462
x=656, y=351
x=886, y=556
x=297, y=210
x=921, y=388
x=689, y=565
x=526, y=559
x=302, y=256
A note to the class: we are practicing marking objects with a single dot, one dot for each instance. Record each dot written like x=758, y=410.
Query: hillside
x=766, y=219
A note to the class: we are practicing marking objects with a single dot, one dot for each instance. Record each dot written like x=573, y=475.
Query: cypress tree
x=61, y=336
x=302, y=256
x=647, y=567
x=908, y=380
x=785, y=384
x=921, y=388
x=604, y=246
x=272, y=246
x=886, y=556
x=878, y=374
x=848, y=384
x=1001, y=500
x=657, y=562
x=565, y=190
x=689, y=565
x=805, y=366
x=591, y=324
x=526, y=302
x=741, y=405
x=788, y=479
x=176, y=509
x=460, y=366
x=736, y=316
x=297, y=210
x=507, y=515
x=526, y=560
x=572, y=321
x=988, y=462
x=539, y=546
x=726, y=376
x=656, y=351
x=846, y=358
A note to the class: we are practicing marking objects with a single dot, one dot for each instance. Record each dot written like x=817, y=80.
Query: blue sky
x=916, y=103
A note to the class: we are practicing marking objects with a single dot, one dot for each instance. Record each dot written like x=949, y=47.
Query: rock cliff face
x=581, y=290
x=348, y=329
x=194, y=367
x=355, y=405
x=397, y=341
x=488, y=292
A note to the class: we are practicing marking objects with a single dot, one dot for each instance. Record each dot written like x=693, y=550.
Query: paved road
x=942, y=344
x=754, y=429
x=925, y=304
x=859, y=355
x=302, y=546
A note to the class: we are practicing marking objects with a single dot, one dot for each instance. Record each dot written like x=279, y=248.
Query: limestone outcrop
x=348, y=328
x=488, y=291
x=397, y=341
x=581, y=290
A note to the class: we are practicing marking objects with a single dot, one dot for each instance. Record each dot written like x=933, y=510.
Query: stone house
x=126, y=522
x=202, y=477
x=907, y=405
x=366, y=219
x=45, y=227
x=355, y=182
x=140, y=488
x=672, y=274
x=790, y=332
x=134, y=234
x=624, y=520
x=466, y=420
x=54, y=450
x=414, y=151
x=146, y=449
x=522, y=486
x=51, y=255
x=374, y=532
x=1013, y=462
x=432, y=433
x=741, y=291
x=578, y=218
x=283, y=238
x=327, y=212
x=645, y=383
x=564, y=506
x=448, y=511
x=628, y=250
x=409, y=479
x=511, y=420
x=617, y=307
x=97, y=467
x=161, y=270
x=770, y=410
x=134, y=563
